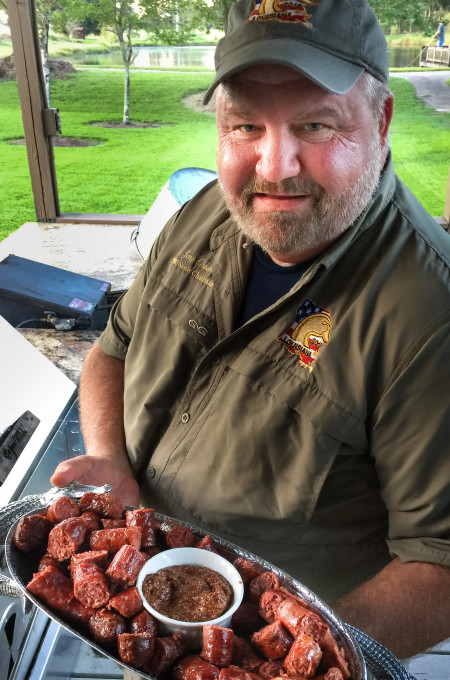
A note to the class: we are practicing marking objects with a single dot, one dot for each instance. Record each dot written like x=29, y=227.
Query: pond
x=203, y=57
x=154, y=57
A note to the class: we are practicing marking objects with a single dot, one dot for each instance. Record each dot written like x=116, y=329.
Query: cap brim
x=330, y=72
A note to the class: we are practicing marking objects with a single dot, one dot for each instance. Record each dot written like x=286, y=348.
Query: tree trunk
x=126, y=95
x=43, y=44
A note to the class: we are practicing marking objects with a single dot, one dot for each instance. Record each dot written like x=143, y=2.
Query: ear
x=385, y=118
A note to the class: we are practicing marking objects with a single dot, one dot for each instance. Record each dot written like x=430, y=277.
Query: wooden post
x=30, y=84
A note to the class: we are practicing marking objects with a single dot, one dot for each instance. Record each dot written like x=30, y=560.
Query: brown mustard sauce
x=188, y=593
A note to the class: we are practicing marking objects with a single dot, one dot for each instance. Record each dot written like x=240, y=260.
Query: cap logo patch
x=310, y=330
x=282, y=10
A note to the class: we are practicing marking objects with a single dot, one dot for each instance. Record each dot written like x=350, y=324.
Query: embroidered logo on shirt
x=198, y=268
x=282, y=10
x=310, y=330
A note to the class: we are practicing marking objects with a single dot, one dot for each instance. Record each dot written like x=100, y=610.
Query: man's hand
x=101, y=413
x=93, y=470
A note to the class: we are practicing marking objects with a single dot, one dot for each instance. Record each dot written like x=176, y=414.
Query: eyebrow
x=321, y=111
x=240, y=111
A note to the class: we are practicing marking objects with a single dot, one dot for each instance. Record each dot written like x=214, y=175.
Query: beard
x=294, y=232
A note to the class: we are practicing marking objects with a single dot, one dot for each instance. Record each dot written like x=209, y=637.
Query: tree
x=125, y=18
x=404, y=13
x=48, y=12
x=44, y=11
x=171, y=22
x=213, y=12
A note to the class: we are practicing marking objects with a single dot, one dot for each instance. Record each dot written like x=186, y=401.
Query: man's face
x=296, y=164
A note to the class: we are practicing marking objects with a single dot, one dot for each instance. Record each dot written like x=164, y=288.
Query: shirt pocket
x=171, y=336
x=265, y=442
x=182, y=311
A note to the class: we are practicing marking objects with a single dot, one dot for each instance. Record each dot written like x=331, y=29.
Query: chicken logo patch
x=310, y=330
x=282, y=10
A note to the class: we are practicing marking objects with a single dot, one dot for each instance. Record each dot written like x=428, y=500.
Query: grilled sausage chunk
x=31, y=533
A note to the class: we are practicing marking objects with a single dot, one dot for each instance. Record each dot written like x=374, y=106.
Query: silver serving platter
x=22, y=566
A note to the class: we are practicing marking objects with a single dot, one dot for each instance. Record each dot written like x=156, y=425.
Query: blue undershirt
x=267, y=282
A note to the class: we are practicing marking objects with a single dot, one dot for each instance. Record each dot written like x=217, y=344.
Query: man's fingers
x=70, y=470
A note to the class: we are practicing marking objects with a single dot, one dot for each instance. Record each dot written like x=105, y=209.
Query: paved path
x=430, y=86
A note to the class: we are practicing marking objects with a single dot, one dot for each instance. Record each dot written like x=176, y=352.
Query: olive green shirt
x=316, y=435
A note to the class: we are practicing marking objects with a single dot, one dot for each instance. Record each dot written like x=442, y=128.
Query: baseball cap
x=330, y=41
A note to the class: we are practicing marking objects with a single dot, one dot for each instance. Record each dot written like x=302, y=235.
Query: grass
x=420, y=142
x=409, y=39
x=126, y=173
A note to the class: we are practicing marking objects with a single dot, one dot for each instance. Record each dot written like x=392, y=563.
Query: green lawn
x=126, y=172
x=420, y=142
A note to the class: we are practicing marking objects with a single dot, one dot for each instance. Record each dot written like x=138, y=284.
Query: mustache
x=290, y=186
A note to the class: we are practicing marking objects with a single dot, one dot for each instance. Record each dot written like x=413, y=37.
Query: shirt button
x=215, y=360
x=185, y=418
x=151, y=472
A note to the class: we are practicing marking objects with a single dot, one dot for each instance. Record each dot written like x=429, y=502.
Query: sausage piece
x=274, y=641
x=97, y=557
x=333, y=656
x=31, y=533
x=90, y=584
x=247, y=569
x=269, y=602
x=235, y=673
x=136, y=649
x=144, y=623
x=245, y=655
x=65, y=539
x=51, y=586
x=92, y=520
x=207, y=543
x=113, y=523
x=193, y=667
x=271, y=669
x=49, y=561
x=298, y=619
x=128, y=602
x=331, y=674
x=126, y=565
x=180, y=536
x=217, y=645
x=168, y=650
x=105, y=626
x=303, y=657
x=78, y=613
x=113, y=539
x=145, y=519
x=63, y=508
x=104, y=504
x=268, y=580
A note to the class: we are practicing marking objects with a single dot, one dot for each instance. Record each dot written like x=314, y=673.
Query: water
x=404, y=56
x=154, y=57
x=203, y=57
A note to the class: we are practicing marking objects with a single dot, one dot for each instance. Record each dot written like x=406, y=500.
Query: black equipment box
x=36, y=295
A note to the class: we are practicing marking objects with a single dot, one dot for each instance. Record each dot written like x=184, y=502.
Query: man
x=440, y=34
x=277, y=373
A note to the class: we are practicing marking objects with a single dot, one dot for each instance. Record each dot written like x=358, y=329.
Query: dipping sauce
x=187, y=592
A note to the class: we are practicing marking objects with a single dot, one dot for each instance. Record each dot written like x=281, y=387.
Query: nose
x=278, y=155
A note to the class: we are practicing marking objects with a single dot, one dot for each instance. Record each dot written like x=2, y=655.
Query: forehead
x=275, y=85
